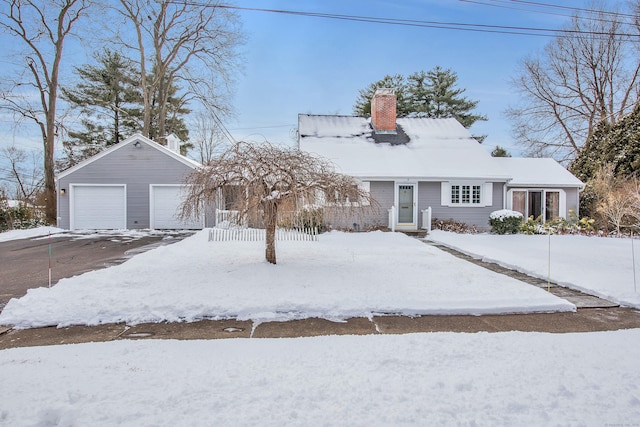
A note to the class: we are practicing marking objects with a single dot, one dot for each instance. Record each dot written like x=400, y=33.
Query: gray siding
x=133, y=166
x=429, y=194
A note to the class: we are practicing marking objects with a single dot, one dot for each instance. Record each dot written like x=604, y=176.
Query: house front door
x=406, y=205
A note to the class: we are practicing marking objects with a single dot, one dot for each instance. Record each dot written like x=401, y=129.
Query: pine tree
x=108, y=100
x=423, y=94
x=500, y=152
x=443, y=99
x=396, y=82
x=616, y=144
x=174, y=109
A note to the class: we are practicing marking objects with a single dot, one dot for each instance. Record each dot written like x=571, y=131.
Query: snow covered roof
x=436, y=149
x=537, y=172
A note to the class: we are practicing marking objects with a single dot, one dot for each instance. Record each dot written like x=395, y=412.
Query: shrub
x=18, y=217
x=453, y=226
x=505, y=221
x=532, y=226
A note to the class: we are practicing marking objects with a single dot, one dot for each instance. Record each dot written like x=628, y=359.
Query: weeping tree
x=264, y=178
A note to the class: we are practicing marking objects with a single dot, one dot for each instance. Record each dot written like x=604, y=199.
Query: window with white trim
x=466, y=194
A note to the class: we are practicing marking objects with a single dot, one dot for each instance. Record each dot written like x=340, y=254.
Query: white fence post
x=392, y=218
x=426, y=219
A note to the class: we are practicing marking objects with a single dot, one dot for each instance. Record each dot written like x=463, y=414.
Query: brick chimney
x=383, y=111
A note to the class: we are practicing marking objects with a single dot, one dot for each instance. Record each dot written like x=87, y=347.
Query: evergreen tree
x=424, y=94
x=174, y=109
x=108, y=100
x=397, y=82
x=439, y=98
x=500, y=152
x=616, y=144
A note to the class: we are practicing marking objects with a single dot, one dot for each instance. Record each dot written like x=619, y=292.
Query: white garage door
x=165, y=209
x=99, y=207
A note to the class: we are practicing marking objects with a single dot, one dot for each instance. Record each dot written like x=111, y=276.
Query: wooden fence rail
x=256, y=234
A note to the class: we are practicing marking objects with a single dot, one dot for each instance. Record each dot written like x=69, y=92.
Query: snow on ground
x=46, y=232
x=340, y=276
x=438, y=379
x=600, y=266
x=5, y=236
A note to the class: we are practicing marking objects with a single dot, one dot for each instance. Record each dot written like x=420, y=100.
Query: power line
x=545, y=9
x=460, y=26
x=570, y=8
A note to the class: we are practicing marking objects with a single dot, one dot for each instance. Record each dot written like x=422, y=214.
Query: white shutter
x=445, y=193
x=487, y=193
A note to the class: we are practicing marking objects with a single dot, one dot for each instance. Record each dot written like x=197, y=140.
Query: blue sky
x=299, y=64
x=311, y=65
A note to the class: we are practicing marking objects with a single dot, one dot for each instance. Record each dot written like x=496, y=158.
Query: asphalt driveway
x=24, y=264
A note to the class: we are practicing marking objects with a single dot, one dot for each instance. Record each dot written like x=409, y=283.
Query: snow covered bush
x=505, y=221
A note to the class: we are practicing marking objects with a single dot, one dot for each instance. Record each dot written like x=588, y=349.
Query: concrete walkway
x=593, y=314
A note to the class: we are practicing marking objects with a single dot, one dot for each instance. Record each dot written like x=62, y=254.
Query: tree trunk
x=271, y=214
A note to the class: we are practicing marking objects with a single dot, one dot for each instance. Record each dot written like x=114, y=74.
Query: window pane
x=455, y=194
x=552, y=200
x=465, y=194
x=519, y=202
x=476, y=194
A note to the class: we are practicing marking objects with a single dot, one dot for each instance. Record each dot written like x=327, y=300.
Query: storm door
x=406, y=204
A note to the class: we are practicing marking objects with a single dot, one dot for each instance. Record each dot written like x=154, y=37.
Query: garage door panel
x=165, y=209
x=99, y=207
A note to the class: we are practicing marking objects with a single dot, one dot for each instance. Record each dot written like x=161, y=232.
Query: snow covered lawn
x=340, y=276
x=440, y=379
x=598, y=265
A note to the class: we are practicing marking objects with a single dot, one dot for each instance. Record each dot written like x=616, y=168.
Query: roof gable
x=129, y=141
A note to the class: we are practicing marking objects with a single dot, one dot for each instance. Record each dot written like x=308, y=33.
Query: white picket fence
x=256, y=234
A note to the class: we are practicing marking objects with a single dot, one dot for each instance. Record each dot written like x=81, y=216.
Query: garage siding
x=135, y=167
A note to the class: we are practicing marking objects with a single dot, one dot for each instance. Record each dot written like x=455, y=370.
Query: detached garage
x=137, y=184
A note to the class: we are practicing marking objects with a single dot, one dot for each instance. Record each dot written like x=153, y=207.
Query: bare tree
x=41, y=27
x=208, y=138
x=263, y=178
x=23, y=174
x=587, y=75
x=181, y=40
